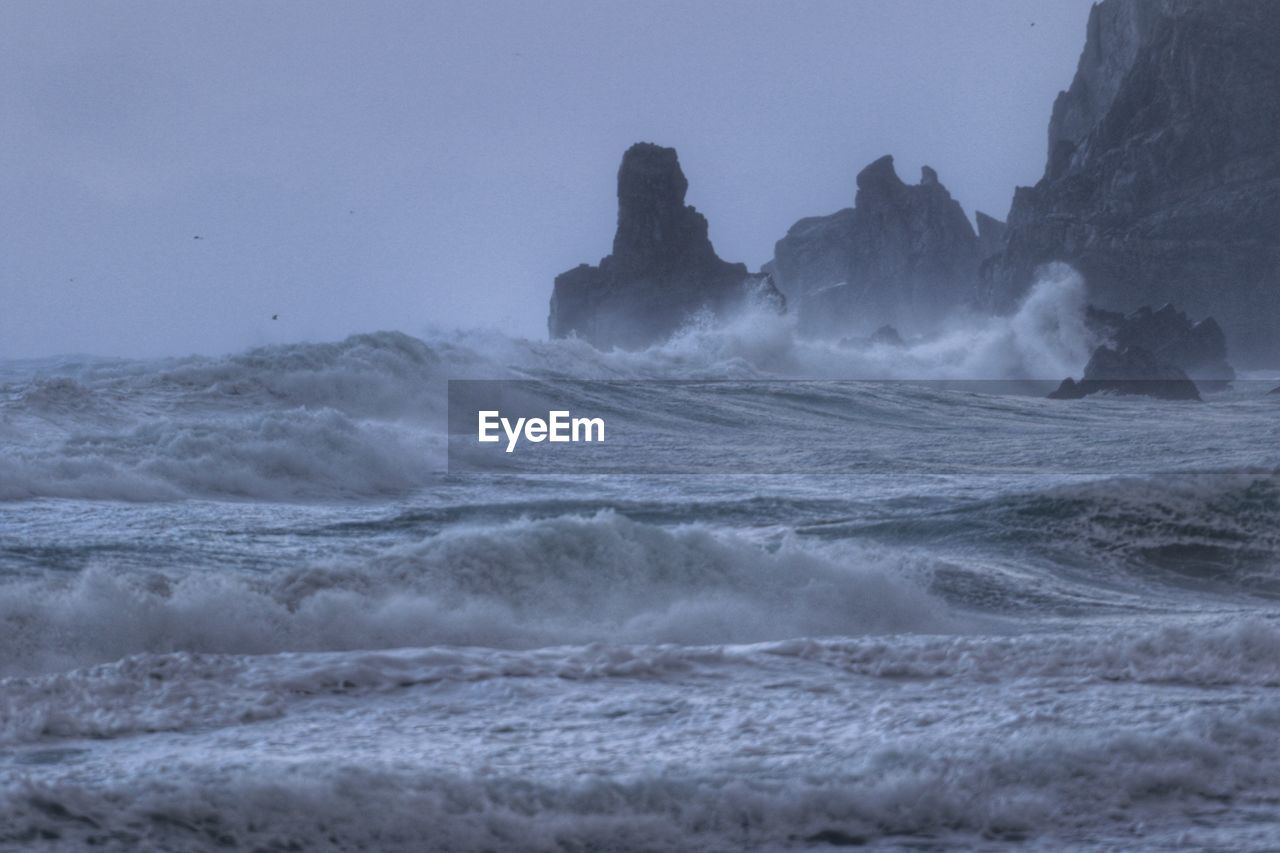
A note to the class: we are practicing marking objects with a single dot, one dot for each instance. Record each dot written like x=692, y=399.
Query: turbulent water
x=242, y=602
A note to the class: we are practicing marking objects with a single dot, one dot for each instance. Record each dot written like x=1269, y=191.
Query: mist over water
x=365, y=416
x=1045, y=339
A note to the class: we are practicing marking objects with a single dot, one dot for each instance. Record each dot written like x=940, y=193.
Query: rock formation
x=992, y=234
x=902, y=254
x=1157, y=353
x=886, y=336
x=1163, y=173
x=1199, y=349
x=663, y=269
x=1130, y=371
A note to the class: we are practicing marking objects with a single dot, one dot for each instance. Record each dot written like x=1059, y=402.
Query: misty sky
x=359, y=166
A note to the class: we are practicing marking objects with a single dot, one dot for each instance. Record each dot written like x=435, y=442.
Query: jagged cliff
x=663, y=269
x=1163, y=174
x=902, y=254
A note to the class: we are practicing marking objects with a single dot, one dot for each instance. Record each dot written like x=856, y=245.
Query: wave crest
x=566, y=580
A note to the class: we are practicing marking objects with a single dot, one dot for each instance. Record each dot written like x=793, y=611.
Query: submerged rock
x=1162, y=180
x=902, y=254
x=1130, y=371
x=885, y=336
x=663, y=270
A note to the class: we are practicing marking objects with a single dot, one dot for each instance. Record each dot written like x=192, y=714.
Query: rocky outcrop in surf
x=1199, y=349
x=1162, y=180
x=902, y=254
x=1129, y=371
x=1156, y=353
x=663, y=269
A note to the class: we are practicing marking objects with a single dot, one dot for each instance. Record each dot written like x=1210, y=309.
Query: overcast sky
x=367, y=165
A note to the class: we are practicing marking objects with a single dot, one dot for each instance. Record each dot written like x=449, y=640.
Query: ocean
x=246, y=601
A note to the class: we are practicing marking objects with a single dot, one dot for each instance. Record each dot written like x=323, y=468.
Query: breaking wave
x=567, y=580
x=364, y=416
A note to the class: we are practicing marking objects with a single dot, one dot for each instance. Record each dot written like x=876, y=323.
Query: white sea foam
x=1118, y=782
x=1044, y=339
x=186, y=690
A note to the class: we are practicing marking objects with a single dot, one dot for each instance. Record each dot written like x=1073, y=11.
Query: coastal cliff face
x=1163, y=175
x=902, y=254
x=663, y=269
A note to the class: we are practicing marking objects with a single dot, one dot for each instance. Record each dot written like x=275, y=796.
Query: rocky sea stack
x=1162, y=185
x=902, y=254
x=1199, y=349
x=1129, y=371
x=663, y=269
x=1163, y=173
x=1158, y=353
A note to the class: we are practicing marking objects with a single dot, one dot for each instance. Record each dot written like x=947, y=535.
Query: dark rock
x=886, y=336
x=1199, y=349
x=1068, y=390
x=1131, y=371
x=992, y=234
x=902, y=254
x=1162, y=180
x=663, y=269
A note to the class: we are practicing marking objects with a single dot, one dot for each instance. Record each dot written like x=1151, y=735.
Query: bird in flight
x=275, y=316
